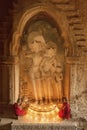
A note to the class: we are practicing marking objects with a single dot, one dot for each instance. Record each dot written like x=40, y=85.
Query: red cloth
x=18, y=110
x=65, y=111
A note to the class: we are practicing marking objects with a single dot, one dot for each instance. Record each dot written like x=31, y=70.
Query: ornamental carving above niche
x=41, y=62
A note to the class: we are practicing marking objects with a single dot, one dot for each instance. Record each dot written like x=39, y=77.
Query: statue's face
x=51, y=52
x=36, y=43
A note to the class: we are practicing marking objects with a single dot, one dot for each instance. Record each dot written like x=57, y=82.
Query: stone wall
x=74, y=16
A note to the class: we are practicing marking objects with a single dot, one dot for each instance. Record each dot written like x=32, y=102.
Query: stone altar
x=46, y=126
x=21, y=124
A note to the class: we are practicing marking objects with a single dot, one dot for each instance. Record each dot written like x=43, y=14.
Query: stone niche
x=41, y=68
x=41, y=60
x=41, y=45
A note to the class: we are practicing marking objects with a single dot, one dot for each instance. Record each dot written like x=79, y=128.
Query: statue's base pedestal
x=9, y=124
x=45, y=126
x=62, y=125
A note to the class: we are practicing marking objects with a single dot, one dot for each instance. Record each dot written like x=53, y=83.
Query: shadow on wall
x=4, y=7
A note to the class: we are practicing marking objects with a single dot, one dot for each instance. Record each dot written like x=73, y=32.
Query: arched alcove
x=40, y=13
x=52, y=13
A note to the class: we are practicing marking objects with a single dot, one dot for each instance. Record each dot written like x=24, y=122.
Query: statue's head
x=36, y=41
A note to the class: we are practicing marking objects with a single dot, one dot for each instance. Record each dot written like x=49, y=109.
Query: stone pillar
x=9, y=67
x=14, y=80
x=67, y=81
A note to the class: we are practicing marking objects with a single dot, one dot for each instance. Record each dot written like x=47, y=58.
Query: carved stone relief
x=41, y=62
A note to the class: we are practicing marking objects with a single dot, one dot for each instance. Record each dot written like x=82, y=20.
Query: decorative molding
x=50, y=10
x=76, y=60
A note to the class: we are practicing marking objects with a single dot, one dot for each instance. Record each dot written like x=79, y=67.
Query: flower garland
x=65, y=111
x=20, y=107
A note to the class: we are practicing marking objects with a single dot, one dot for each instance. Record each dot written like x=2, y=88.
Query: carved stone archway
x=60, y=19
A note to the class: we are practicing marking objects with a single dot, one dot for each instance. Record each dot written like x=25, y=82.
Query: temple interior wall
x=71, y=18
